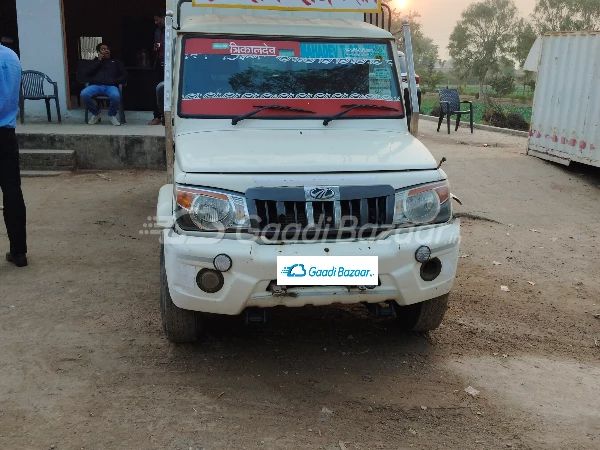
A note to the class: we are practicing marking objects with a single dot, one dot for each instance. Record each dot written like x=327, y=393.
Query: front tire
x=179, y=325
x=426, y=316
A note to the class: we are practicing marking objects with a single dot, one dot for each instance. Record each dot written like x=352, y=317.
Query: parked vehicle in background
x=565, y=120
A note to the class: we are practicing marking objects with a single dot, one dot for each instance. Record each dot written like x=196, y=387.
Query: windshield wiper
x=355, y=106
x=237, y=119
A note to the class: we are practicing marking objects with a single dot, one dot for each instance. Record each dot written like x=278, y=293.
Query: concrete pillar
x=41, y=47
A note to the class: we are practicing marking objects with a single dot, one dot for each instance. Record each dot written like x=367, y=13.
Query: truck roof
x=282, y=26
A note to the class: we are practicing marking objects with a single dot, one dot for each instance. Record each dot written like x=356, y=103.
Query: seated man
x=104, y=75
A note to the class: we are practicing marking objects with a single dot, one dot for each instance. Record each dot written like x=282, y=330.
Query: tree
x=566, y=15
x=425, y=52
x=484, y=33
x=430, y=77
x=503, y=84
x=526, y=36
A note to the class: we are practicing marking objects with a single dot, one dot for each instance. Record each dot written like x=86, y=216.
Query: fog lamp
x=423, y=254
x=222, y=263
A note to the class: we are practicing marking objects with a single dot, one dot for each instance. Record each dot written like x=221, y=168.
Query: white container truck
x=292, y=177
x=565, y=121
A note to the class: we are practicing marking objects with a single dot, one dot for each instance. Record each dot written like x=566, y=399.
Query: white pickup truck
x=287, y=137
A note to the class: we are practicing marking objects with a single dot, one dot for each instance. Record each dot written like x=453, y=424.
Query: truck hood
x=294, y=151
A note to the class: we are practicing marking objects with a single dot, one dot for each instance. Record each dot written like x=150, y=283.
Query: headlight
x=208, y=209
x=423, y=205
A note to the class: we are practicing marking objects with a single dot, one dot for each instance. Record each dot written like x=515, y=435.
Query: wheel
x=426, y=316
x=179, y=325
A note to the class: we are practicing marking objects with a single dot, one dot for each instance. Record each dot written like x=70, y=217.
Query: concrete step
x=132, y=148
x=42, y=173
x=51, y=160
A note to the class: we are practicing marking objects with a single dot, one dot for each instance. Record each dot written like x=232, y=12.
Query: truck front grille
x=277, y=210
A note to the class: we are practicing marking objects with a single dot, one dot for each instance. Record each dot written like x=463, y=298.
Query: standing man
x=10, y=176
x=159, y=67
x=104, y=76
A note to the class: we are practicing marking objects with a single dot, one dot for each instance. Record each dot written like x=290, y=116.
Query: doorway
x=9, y=32
x=127, y=27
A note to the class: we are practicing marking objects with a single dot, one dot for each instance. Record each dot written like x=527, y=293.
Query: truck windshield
x=227, y=77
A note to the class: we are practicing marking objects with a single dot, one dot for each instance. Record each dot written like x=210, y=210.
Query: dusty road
x=84, y=364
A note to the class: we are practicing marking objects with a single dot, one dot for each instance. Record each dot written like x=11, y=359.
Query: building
x=52, y=36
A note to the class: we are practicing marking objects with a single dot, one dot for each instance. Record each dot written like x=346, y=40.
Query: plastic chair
x=82, y=79
x=106, y=98
x=450, y=105
x=32, y=88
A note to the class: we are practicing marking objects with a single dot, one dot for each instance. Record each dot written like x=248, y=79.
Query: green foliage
x=430, y=78
x=526, y=36
x=425, y=52
x=494, y=115
x=498, y=116
x=435, y=110
x=503, y=84
x=514, y=117
x=566, y=15
x=484, y=34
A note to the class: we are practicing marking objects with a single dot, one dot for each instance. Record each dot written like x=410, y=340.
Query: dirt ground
x=84, y=364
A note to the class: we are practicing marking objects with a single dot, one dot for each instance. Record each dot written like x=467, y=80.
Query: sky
x=440, y=16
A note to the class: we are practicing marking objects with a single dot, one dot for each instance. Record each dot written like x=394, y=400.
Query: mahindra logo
x=322, y=193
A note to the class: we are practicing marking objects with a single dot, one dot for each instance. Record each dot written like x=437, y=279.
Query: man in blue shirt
x=10, y=176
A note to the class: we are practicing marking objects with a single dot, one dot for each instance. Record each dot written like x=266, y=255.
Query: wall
x=41, y=47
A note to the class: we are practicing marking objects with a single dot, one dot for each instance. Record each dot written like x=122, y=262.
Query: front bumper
x=255, y=266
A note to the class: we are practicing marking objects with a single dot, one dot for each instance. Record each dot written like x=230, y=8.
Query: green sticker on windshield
x=220, y=46
x=287, y=53
x=381, y=73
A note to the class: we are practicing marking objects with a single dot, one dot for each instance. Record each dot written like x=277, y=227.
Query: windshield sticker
x=372, y=62
x=381, y=73
x=380, y=88
x=245, y=47
x=342, y=51
x=220, y=46
x=242, y=49
x=386, y=96
x=287, y=52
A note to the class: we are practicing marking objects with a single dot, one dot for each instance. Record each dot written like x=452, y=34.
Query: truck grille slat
x=335, y=215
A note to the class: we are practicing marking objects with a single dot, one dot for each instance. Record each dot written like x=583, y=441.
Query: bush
x=435, y=111
x=497, y=116
x=515, y=120
x=503, y=84
x=494, y=115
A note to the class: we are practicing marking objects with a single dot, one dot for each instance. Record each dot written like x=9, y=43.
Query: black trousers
x=159, y=77
x=10, y=183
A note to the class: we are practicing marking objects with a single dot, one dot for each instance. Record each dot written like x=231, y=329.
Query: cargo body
x=565, y=122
